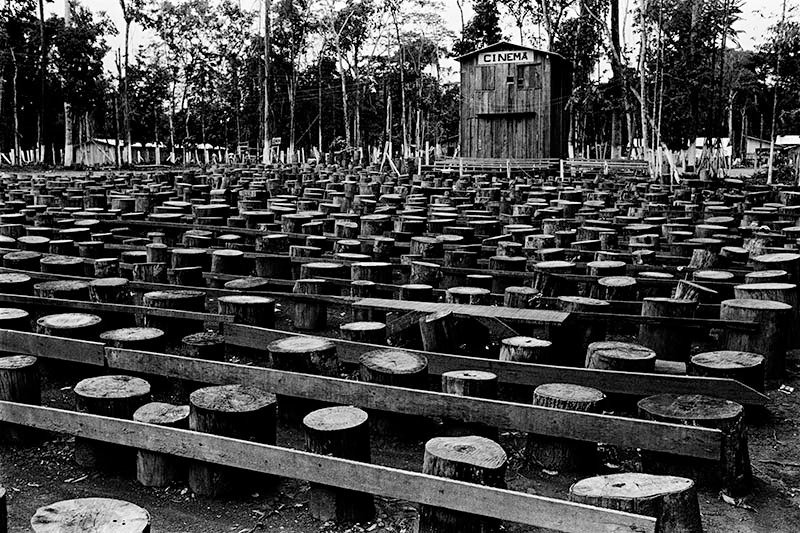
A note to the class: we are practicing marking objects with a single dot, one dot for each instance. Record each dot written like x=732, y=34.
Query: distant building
x=513, y=101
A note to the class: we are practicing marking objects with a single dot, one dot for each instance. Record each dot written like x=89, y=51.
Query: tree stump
x=339, y=432
x=65, y=290
x=80, y=326
x=732, y=472
x=574, y=340
x=375, y=271
x=776, y=292
x=310, y=315
x=19, y=382
x=672, y=500
x=145, y=339
x=59, y=264
x=369, y=332
x=396, y=368
x=113, y=396
x=472, y=459
x=110, y=291
x=15, y=283
x=558, y=453
x=250, y=310
x=416, y=292
x=22, y=260
x=157, y=253
x=425, y=273
x=16, y=319
x=475, y=384
x=606, y=268
x=155, y=469
x=620, y=356
x=186, y=276
x=525, y=350
x=309, y=355
x=520, y=297
x=766, y=276
x=547, y=281
x=690, y=291
x=236, y=411
x=149, y=272
x=747, y=368
x=790, y=262
x=91, y=514
x=672, y=343
x=189, y=257
x=206, y=345
x=615, y=288
x=365, y=289
x=467, y=295
x=178, y=300
x=770, y=339
x=438, y=332
x=248, y=285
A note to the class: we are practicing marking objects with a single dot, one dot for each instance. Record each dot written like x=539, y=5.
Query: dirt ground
x=45, y=473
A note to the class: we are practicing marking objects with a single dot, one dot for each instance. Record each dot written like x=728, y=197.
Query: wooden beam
x=628, y=383
x=559, y=515
x=38, y=302
x=87, y=352
x=527, y=316
x=628, y=432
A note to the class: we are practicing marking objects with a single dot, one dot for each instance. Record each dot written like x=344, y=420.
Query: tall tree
x=482, y=29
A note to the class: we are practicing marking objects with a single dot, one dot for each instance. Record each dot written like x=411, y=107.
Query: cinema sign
x=510, y=56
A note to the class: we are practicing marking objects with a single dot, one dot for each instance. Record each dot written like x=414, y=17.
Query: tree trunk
x=319, y=103
x=267, y=148
x=15, y=105
x=126, y=109
x=357, y=106
x=292, y=86
x=617, y=82
x=643, y=85
x=343, y=77
x=403, y=111
x=42, y=82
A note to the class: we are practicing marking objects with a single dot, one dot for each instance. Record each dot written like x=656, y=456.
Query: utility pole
x=67, y=106
x=267, y=154
x=775, y=100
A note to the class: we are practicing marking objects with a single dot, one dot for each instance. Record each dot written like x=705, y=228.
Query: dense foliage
x=361, y=73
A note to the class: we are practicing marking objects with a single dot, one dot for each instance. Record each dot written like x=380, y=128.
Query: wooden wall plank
x=539, y=511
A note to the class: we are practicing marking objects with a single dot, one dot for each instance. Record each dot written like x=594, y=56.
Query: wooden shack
x=513, y=101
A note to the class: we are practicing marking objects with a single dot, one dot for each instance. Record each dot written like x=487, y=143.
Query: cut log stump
x=620, y=356
x=744, y=367
x=475, y=384
x=115, y=396
x=396, y=368
x=732, y=472
x=104, y=515
x=236, y=411
x=19, y=382
x=369, y=332
x=340, y=432
x=672, y=343
x=672, y=500
x=771, y=338
x=249, y=310
x=472, y=459
x=562, y=454
x=155, y=469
